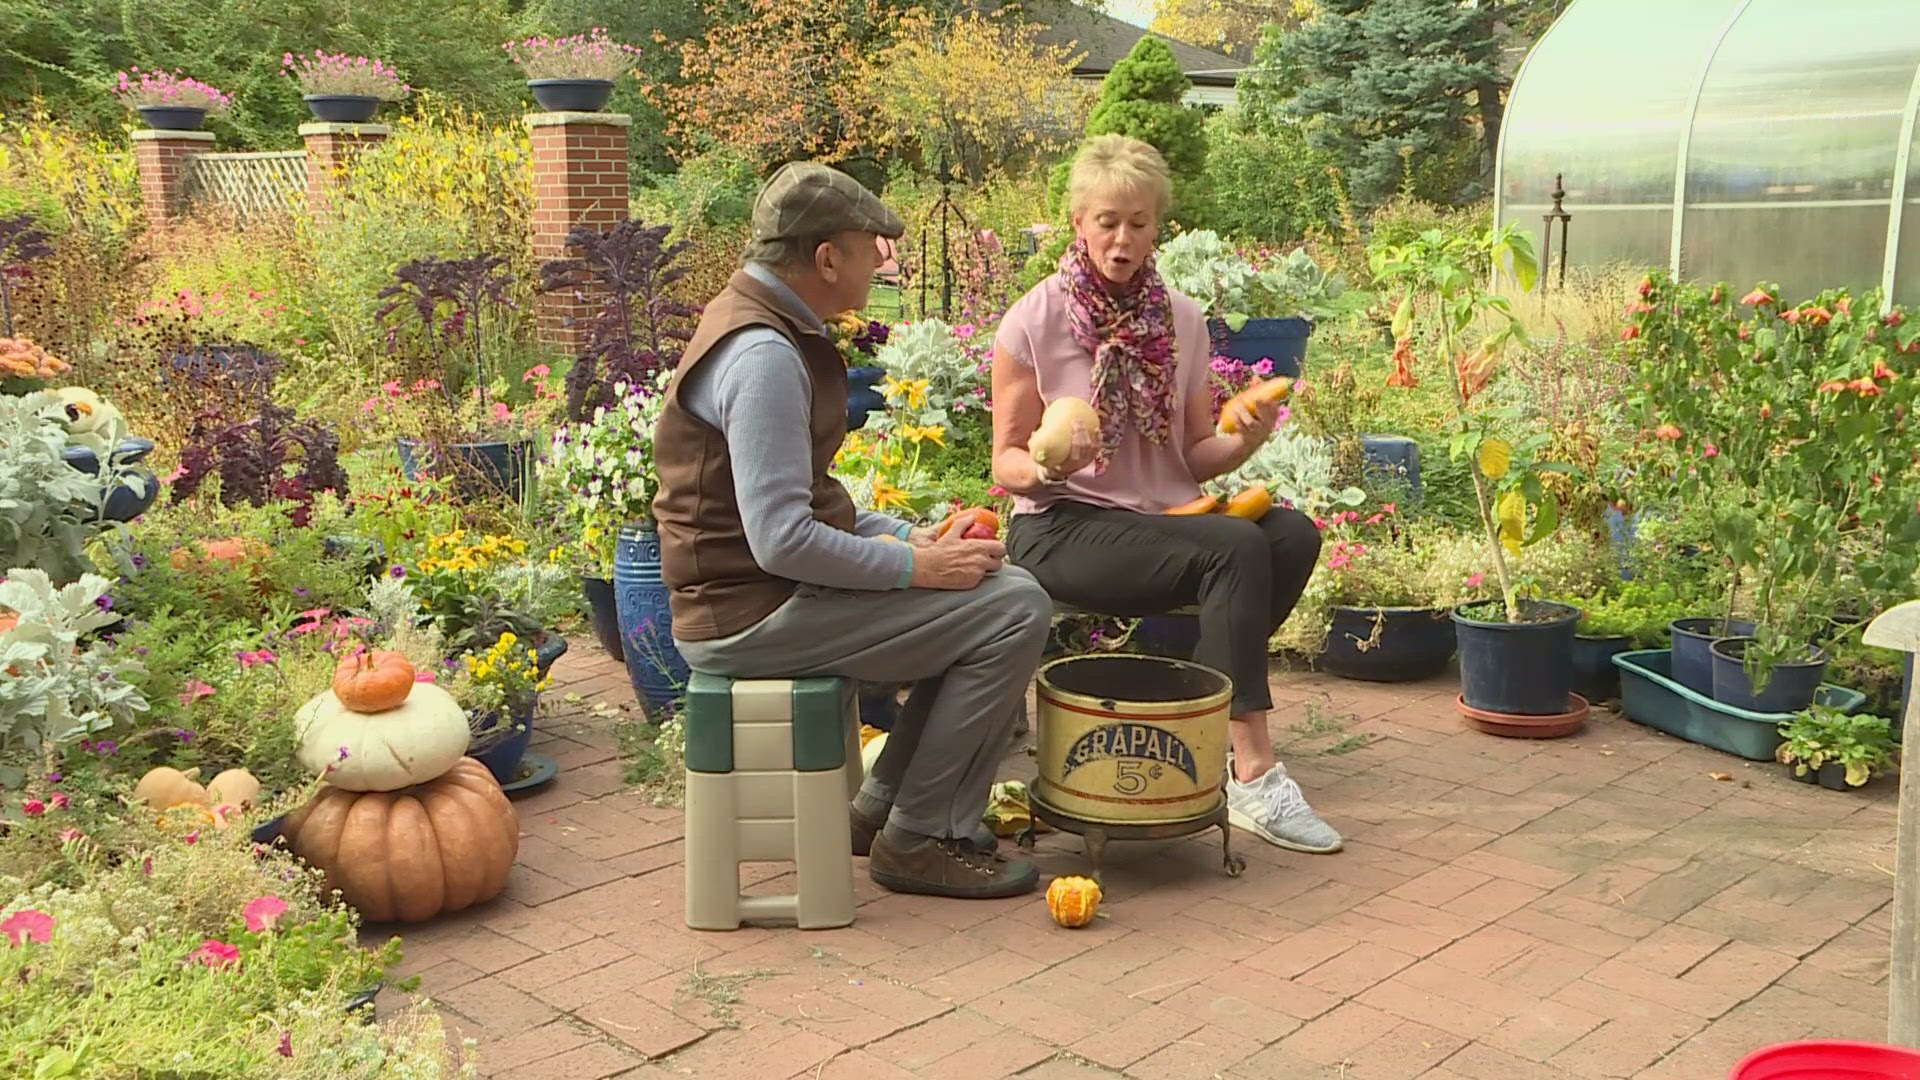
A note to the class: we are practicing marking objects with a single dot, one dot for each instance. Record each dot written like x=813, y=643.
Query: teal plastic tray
x=1650, y=697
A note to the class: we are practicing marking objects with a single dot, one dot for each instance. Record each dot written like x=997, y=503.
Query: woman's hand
x=1081, y=451
x=1256, y=420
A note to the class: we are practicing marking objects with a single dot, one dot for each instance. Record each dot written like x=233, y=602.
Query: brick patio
x=1615, y=904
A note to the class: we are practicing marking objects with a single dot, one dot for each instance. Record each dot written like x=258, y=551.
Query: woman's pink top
x=1143, y=475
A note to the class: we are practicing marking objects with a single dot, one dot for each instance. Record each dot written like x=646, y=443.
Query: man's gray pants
x=969, y=656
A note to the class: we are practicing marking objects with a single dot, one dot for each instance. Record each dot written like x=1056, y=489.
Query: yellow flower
x=932, y=432
x=914, y=390
x=886, y=495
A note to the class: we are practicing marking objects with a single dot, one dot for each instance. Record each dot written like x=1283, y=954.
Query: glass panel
x=1830, y=245
x=1601, y=102
x=1808, y=119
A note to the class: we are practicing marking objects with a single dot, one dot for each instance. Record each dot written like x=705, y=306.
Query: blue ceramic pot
x=171, y=117
x=604, y=614
x=342, y=108
x=646, y=623
x=502, y=759
x=571, y=95
x=862, y=398
x=1392, y=459
x=124, y=503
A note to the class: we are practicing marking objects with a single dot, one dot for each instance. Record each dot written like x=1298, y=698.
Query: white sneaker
x=1273, y=808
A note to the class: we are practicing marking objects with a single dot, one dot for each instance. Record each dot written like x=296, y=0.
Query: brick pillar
x=579, y=178
x=329, y=146
x=163, y=157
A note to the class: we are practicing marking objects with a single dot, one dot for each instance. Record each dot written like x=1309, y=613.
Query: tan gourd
x=1052, y=441
x=163, y=787
x=236, y=788
x=406, y=856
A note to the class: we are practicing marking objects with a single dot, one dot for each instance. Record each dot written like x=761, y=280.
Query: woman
x=1108, y=330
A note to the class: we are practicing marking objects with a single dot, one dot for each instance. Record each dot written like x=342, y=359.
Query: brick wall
x=163, y=158
x=329, y=146
x=579, y=178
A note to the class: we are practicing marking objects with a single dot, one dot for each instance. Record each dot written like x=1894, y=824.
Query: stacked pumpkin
x=406, y=826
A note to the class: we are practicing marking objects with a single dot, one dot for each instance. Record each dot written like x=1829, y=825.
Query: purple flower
x=104, y=602
x=183, y=734
x=398, y=571
x=53, y=778
x=139, y=561
x=106, y=748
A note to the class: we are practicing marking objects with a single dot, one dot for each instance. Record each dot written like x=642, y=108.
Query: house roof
x=1106, y=40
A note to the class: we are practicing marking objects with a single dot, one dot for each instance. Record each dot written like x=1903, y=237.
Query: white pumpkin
x=414, y=743
x=87, y=412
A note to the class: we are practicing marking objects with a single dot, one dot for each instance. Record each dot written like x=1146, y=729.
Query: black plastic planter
x=571, y=95
x=1692, y=663
x=171, y=117
x=1594, y=676
x=342, y=108
x=1790, y=687
x=604, y=612
x=1412, y=643
x=1518, y=669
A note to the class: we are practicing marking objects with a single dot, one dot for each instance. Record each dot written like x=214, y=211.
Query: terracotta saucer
x=1527, y=727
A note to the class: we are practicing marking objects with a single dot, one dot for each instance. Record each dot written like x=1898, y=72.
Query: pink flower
x=285, y=1049
x=423, y=676
x=1320, y=523
x=263, y=911
x=27, y=925
x=1338, y=562
x=59, y=800
x=192, y=837
x=33, y=807
x=501, y=412
x=997, y=491
x=68, y=836
x=1474, y=580
x=537, y=371
x=1376, y=519
x=1711, y=451
x=215, y=954
x=1390, y=508
x=195, y=691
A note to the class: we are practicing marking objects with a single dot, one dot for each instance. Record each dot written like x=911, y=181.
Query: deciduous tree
x=1232, y=27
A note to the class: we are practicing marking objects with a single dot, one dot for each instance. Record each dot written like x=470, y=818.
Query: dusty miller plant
x=49, y=510
x=53, y=691
x=927, y=349
x=1298, y=469
x=1207, y=268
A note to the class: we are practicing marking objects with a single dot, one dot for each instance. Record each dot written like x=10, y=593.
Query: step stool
x=771, y=767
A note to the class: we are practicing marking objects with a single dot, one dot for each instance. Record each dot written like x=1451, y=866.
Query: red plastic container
x=1829, y=1059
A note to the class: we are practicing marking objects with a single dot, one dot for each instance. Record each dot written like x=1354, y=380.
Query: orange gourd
x=1252, y=504
x=1269, y=392
x=1205, y=504
x=372, y=682
x=1072, y=901
x=968, y=519
x=412, y=854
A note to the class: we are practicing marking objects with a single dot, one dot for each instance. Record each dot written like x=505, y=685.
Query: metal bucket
x=1130, y=739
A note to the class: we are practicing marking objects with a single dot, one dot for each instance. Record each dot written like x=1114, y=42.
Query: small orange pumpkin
x=967, y=521
x=1072, y=901
x=372, y=682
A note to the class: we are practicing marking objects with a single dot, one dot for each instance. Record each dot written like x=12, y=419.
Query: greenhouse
x=1737, y=140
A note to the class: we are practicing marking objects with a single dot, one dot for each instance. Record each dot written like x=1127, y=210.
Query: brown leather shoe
x=865, y=828
x=946, y=867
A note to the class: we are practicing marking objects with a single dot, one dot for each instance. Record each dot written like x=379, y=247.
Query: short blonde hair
x=1118, y=163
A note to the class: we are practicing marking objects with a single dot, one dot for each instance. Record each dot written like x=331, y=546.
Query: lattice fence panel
x=249, y=185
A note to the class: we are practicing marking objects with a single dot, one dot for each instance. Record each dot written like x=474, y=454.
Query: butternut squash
x=1252, y=504
x=1052, y=441
x=1205, y=504
x=1263, y=393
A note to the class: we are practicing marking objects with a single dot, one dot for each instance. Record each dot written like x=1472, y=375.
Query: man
x=773, y=573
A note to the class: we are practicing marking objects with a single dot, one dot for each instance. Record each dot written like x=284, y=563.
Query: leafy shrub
x=52, y=691
x=1266, y=185
x=48, y=507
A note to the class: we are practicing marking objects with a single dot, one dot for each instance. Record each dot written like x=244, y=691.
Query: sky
x=1137, y=12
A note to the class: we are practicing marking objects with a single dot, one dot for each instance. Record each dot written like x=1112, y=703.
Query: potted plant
x=444, y=316
x=1380, y=606
x=1516, y=655
x=605, y=468
x=1835, y=749
x=169, y=101
x=1628, y=617
x=858, y=340
x=1733, y=390
x=342, y=89
x=500, y=690
x=1258, y=308
x=572, y=74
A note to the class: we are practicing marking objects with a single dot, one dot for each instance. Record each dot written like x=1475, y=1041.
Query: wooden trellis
x=250, y=186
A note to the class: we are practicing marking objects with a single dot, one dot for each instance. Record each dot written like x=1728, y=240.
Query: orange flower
x=1832, y=386
x=1845, y=305
x=1757, y=297
x=1882, y=371
x=1630, y=332
x=1475, y=369
x=1792, y=315
x=1865, y=387
x=1669, y=432
x=1403, y=365
x=1817, y=316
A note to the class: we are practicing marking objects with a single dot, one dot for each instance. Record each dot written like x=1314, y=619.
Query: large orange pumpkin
x=372, y=682
x=1072, y=901
x=408, y=855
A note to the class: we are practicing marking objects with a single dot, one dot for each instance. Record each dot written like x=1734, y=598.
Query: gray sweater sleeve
x=755, y=389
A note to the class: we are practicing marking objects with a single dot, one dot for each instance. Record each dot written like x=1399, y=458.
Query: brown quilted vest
x=715, y=589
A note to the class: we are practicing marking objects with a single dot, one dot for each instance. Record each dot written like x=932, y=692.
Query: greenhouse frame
x=1727, y=140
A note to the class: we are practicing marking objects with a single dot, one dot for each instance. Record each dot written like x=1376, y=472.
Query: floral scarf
x=1131, y=338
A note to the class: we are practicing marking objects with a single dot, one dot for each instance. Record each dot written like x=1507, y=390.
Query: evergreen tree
x=1393, y=90
x=1142, y=97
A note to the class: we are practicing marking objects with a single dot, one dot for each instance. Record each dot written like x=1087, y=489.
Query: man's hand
x=920, y=535
x=955, y=563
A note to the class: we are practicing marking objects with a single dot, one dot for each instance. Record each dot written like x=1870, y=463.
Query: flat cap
x=806, y=199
